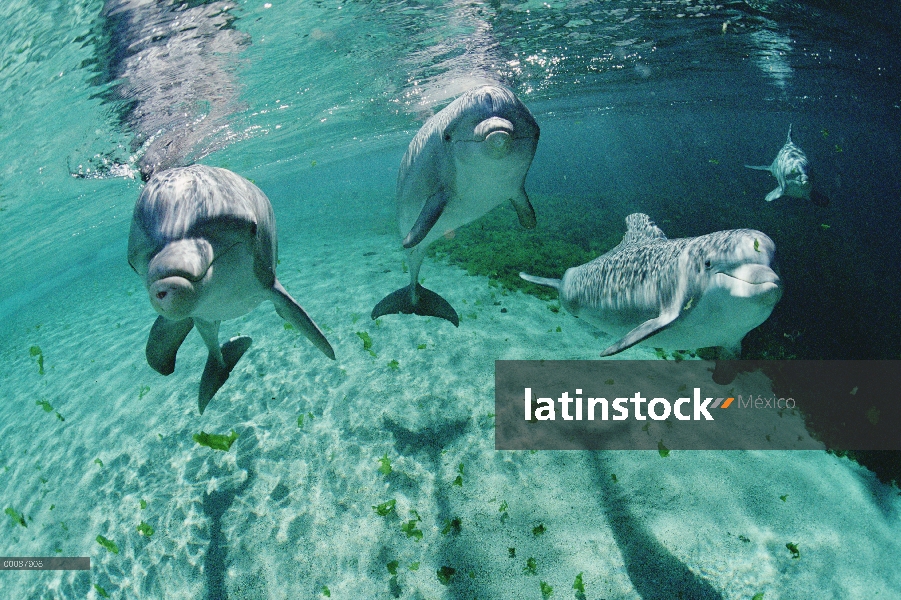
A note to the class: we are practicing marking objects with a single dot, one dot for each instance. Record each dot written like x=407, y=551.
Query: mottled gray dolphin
x=203, y=240
x=464, y=161
x=687, y=293
x=792, y=172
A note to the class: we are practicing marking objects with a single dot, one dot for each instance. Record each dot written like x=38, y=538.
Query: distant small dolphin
x=464, y=161
x=687, y=293
x=792, y=172
x=204, y=241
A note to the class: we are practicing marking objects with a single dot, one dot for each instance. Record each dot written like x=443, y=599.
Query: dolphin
x=681, y=294
x=465, y=160
x=203, y=240
x=792, y=172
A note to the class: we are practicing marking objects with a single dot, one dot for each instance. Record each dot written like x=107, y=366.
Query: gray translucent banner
x=45, y=563
x=697, y=405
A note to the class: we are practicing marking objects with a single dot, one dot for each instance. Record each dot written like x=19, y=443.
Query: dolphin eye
x=447, y=137
x=707, y=264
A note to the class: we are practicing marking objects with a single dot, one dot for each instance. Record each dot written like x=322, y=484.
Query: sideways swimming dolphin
x=792, y=172
x=465, y=160
x=683, y=294
x=203, y=240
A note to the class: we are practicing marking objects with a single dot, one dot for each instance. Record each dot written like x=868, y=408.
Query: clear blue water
x=644, y=106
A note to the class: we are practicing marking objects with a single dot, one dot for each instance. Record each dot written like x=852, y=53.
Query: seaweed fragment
x=216, y=441
x=385, y=465
x=538, y=530
x=102, y=592
x=35, y=352
x=409, y=527
x=578, y=585
x=663, y=450
x=452, y=525
x=17, y=517
x=445, y=573
x=367, y=343
x=793, y=548
x=44, y=404
x=145, y=529
x=108, y=544
x=531, y=567
x=385, y=508
x=546, y=590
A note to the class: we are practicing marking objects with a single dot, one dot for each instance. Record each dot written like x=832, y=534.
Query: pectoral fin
x=288, y=309
x=774, y=195
x=524, y=210
x=429, y=215
x=642, y=332
x=164, y=341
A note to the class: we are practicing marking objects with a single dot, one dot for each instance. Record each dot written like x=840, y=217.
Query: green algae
x=216, y=441
x=567, y=235
x=445, y=574
x=17, y=517
x=145, y=529
x=385, y=465
x=108, y=544
x=578, y=585
x=102, y=592
x=35, y=352
x=385, y=508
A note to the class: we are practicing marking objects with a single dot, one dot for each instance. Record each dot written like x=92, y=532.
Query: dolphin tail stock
x=422, y=301
x=554, y=283
x=642, y=332
x=760, y=167
x=219, y=362
x=288, y=309
x=164, y=341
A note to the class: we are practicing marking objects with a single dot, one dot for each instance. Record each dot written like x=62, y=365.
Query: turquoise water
x=644, y=106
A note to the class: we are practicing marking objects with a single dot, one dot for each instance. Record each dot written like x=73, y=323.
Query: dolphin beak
x=172, y=297
x=498, y=135
x=755, y=274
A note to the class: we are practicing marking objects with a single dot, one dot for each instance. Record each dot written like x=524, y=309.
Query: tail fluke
x=215, y=374
x=425, y=303
x=554, y=283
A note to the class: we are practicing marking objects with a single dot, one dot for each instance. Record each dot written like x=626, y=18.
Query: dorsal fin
x=788, y=140
x=640, y=228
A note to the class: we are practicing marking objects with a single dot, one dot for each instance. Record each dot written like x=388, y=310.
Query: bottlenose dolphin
x=683, y=294
x=203, y=240
x=468, y=158
x=792, y=172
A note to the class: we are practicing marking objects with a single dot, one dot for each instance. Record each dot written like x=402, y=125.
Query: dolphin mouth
x=493, y=126
x=754, y=274
x=172, y=297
